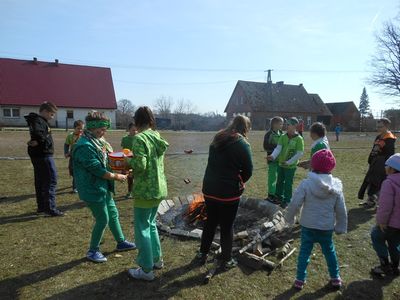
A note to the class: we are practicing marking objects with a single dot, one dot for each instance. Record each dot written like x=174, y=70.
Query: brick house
x=263, y=100
x=345, y=113
x=75, y=89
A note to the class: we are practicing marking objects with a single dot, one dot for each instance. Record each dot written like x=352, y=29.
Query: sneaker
x=74, y=191
x=159, y=265
x=336, y=282
x=201, y=257
x=125, y=246
x=230, y=264
x=140, y=274
x=299, y=284
x=381, y=270
x=54, y=213
x=96, y=256
x=395, y=270
x=283, y=205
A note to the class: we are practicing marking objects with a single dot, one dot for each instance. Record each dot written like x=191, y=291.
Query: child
x=382, y=149
x=70, y=142
x=289, y=149
x=41, y=150
x=320, y=198
x=149, y=189
x=127, y=143
x=338, y=130
x=270, y=142
x=320, y=141
x=385, y=235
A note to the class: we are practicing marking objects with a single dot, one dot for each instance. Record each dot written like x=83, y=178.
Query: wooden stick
x=286, y=257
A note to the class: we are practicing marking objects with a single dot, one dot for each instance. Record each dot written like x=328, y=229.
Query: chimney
x=300, y=85
x=56, y=62
x=35, y=61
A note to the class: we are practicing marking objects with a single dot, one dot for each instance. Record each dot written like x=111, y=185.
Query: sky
x=197, y=50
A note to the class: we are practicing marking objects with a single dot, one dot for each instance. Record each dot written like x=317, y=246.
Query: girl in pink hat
x=320, y=194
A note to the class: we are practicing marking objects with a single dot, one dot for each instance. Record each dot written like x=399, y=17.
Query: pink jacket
x=389, y=202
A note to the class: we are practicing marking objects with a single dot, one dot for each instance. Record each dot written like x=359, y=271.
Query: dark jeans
x=386, y=242
x=45, y=182
x=222, y=214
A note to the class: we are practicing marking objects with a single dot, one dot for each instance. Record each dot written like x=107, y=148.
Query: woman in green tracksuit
x=95, y=183
x=149, y=188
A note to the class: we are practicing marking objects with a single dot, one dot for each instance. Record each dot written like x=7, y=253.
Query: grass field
x=43, y=257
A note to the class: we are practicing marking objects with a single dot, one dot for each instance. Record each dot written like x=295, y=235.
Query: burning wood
x=196, y=210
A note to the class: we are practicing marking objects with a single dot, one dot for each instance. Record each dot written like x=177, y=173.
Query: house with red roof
x=75, y=89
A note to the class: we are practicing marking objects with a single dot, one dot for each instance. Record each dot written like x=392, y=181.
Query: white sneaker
x=159, y=265
x=140, y=274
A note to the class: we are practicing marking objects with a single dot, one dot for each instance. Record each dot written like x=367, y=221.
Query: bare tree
x=125, y=111
x=386, y=62
x=163, y=106
x=183, y=109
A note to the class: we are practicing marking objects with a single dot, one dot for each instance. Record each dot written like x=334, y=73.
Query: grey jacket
x=321, y=199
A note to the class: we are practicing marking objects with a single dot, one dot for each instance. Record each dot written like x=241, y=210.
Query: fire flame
x=196, y=210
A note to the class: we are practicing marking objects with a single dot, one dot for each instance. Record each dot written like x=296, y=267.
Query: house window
x=11, y=112
x=249, y=114
x=70, y=114
x=309, y=121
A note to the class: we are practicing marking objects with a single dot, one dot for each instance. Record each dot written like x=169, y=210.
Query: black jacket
x=40, y=131
x=229, y=167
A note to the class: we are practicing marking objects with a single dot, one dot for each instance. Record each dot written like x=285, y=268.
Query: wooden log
x=256, y=240
x=279, y=264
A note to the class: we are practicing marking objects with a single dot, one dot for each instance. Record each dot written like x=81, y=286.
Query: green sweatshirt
x=150, y=185
x=290, y=146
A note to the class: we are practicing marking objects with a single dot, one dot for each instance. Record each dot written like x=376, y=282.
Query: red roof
x=28, y=83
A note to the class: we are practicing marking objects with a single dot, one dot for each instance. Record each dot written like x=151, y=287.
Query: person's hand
x=270, y=158
x=33, y=143
x=67, y=155
x=120, y=177
x=383, y=227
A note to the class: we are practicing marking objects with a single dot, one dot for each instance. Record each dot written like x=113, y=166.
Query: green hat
x=292, y=121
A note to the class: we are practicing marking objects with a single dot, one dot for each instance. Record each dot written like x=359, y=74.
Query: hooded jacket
x=323, y=207
x=229, y=167
x=40, y=132
x=150, y=185
x=389, y=202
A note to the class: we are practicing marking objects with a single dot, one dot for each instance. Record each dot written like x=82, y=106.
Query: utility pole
x=269, y=78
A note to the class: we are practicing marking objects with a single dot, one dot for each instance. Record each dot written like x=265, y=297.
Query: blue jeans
x=45, y=173
x=323, y=237
x=386, y=242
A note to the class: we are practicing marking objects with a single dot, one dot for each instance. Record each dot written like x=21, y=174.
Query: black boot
x=395, y=268
x=383, y=269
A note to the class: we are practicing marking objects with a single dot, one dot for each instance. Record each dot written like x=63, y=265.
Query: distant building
x=345, y=113
x=263, y=100
x=75, y=89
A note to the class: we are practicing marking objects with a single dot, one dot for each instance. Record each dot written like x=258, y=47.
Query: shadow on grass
x=121, y=286
x=20, y=198
x=9, y=288
x=357, y=216
x=365, y=289
x=33, y=215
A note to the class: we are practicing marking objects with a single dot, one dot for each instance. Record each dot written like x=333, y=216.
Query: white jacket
x=323, y=207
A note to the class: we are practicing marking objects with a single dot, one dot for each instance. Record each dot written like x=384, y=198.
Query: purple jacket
x=389, y=202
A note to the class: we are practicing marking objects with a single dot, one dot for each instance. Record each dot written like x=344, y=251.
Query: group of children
x=320, y=198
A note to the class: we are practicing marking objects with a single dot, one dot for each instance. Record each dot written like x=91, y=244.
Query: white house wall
x=58, y=121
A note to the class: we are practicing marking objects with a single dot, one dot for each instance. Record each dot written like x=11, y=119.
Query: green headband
x=98, y=124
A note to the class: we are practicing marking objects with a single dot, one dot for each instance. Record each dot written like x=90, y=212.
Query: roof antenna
x=269, y=79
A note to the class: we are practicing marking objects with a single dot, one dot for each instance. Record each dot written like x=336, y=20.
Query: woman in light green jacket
x=95, y=184
x=149, y=188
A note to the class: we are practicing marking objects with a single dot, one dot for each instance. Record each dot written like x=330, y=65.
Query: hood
x=31, y=117
x=324, y=185
x=394, y=179
x=223, y=140
x=156, y=140
x=323, y=139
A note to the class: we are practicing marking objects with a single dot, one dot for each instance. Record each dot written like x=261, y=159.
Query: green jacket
x=229, y=167
x=89, y=169
x=150, y=184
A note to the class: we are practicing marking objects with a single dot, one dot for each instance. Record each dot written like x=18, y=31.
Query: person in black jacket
x=40, y=150
x=229, y=167
x=382, y=149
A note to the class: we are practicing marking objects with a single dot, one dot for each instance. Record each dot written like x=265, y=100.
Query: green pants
x=105, y=213
x=272, y=176
x=146, y=237
x=284, y=184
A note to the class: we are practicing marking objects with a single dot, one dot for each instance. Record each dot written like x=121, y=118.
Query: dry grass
x=44, y=257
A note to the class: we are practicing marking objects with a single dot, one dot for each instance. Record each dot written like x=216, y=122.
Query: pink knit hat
x=323, y=161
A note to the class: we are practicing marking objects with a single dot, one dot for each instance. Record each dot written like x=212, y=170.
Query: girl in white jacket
x=323, y=211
